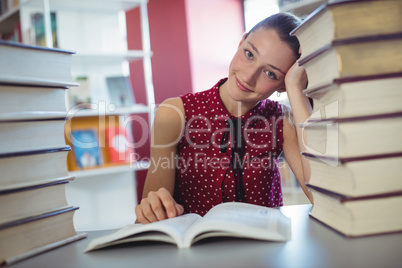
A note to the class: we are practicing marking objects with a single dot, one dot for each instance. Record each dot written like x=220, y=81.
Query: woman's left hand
x=296, y=78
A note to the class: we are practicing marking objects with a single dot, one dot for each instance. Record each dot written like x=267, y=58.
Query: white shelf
x=94, y=29
x=108, y=58
x=135, y=109
x=140, y=165
x=89, y=5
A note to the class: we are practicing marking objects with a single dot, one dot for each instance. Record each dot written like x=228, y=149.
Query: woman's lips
x=243, y=88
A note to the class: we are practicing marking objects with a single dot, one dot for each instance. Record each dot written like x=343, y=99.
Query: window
x=257, y=10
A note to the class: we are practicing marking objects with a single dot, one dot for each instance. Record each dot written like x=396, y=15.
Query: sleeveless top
x=221, y=158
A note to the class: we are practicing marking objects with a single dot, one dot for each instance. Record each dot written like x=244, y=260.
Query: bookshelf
x=135, y=109
x=139, y=165
x=96, y=31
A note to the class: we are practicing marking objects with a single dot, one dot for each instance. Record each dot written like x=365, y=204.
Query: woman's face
x=259, y=66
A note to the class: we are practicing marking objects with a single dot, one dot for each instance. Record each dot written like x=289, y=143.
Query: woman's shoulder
x=170, y=111
x=172, y=102
x=204, y=96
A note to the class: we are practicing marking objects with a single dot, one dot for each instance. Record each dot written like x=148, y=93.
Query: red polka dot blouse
x=222, y=158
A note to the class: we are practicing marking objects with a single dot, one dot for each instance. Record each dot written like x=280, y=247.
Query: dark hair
x=283, y=23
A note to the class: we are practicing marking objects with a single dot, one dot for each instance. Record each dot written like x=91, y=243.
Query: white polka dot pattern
x=204, y=176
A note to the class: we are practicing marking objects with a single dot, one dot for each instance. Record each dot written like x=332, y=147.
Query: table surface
x=312, y=245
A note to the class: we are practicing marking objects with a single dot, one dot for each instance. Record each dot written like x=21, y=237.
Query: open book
x=224, y=220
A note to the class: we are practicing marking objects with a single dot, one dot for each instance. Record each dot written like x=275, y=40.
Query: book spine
x=36, y=218
x=44, y=151
x=350, y=159
x=313, y=92
x=33, y=187
x=351, y=119
x=349, y=41
x=31, y=86
x=343, y=198
x=33, y=116
x=321, y=9
x=21, y=45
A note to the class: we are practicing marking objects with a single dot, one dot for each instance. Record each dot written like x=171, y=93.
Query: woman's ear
x=281, y=89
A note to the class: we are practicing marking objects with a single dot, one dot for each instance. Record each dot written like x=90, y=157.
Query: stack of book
x=351, y=51
x=34, y=212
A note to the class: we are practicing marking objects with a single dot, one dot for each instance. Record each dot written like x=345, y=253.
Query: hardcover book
x=86, y=148
x=42, y=198
x=33, y=168
x=372, y=55
x=357, y=96
x=350, y=19
x=25, y=132
x=47, y=99
x=27, y=237
x=41, y=66
x=120, y=146
x=355, y=136
x=230, y=219
x=355, y=217
x=358, y=176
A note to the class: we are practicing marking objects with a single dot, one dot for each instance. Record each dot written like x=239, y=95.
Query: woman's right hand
x=157, y=206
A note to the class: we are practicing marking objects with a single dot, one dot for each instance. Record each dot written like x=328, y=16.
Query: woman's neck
x=235, y=108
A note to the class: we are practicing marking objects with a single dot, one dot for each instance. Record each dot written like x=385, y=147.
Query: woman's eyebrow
x=270, y=65
x=276, y=68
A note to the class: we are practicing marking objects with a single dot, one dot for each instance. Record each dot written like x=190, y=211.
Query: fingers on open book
x=158, y=206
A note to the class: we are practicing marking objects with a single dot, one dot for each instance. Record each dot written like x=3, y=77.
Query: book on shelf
x=341, y=20
x=38, y=32
x=80, y=96
x=87, y=152
x=26, y=98
x=41, y=65
x=354, y=136
x=31, y=131
x=12, y=33
x=359, y=96
x=230, y=219
x=360, y=216
x=357, y=176
x=120, y=91
x=30, y=236
x=42, y=198
x=372, y=55
x=120, y=145
x=7, y=5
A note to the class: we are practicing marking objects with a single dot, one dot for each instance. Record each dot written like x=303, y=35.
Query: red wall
x=185, y=35
x=169, y=43
x=170, y=60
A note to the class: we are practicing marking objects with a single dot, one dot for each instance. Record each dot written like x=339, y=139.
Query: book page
x=170, y=230
x=241, y=220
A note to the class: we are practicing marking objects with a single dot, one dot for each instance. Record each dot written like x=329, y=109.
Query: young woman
x=220, y=145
